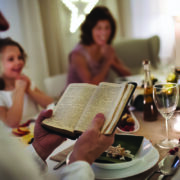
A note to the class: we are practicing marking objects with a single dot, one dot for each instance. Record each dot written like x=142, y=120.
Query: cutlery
x=167, y=166
x=58, y=165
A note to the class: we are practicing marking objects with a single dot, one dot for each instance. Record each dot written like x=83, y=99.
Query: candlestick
x=176, y=122
x=177, y=40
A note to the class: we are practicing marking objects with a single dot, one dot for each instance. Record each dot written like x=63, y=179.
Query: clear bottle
x=150, y=110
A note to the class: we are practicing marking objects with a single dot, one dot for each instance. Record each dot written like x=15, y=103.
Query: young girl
x=19, y=100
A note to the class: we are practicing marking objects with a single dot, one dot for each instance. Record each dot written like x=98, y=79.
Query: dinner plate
x=145, y=148
x=144, y=164
x=136, y=125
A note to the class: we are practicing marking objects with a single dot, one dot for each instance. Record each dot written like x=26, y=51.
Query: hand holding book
x=81, y=102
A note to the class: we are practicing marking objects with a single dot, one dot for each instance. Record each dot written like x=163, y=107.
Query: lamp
x=176, y=122
x=171, y=8
x=177, y=40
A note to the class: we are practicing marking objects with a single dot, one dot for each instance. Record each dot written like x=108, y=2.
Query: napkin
x=60, y=156
x=129, y=142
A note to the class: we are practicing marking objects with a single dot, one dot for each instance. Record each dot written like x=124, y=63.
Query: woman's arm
x=79, y=63
x=120, y=68
x=117, y=65
x=40, y=97
x=12, y=116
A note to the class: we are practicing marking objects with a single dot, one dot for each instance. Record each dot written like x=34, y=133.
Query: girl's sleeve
x=2, y=100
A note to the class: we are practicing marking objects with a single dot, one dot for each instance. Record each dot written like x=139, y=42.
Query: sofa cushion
x=133, y=51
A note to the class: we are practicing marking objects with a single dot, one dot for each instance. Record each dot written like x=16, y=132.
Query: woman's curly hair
x=98, y=13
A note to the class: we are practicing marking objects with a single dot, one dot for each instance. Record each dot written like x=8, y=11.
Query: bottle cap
x=177, y=70
x=146, y=64
x=146, y=61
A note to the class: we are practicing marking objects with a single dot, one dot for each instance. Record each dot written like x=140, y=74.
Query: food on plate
x=21, y=131
x=168, y=89
x=25, y=134
x=119, y=152
x=126, y=123
x=24, y=129
x=171, y=77
x=173, y=151
x=130, y=144
x=28, y=138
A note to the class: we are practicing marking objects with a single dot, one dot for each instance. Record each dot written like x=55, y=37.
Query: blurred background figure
x=93, y=57
x=4, y=25
x=19, y=98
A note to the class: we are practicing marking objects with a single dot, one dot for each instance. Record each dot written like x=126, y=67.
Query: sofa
x=133, y=51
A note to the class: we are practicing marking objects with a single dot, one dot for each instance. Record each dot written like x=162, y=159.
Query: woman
x=91, y=60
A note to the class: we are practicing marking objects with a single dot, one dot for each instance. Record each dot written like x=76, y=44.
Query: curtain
x=26, y=28
x=37, y=66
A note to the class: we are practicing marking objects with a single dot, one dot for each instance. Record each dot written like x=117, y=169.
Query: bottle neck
x=147, y=77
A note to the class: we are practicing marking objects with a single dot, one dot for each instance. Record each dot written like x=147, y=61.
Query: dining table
x=153, y=131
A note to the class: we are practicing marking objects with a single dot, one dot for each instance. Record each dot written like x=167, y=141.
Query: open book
x=80, y=103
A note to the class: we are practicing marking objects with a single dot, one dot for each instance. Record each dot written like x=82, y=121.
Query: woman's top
x=30, y=109
x=94, y=66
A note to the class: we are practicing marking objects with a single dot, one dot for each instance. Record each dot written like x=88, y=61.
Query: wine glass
x=166, y=97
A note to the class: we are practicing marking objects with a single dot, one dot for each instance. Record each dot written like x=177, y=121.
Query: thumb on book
x=98, y=121
x=44, y=114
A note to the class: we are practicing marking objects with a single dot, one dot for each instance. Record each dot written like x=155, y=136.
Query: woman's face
x=101, y=32
x=12, y=61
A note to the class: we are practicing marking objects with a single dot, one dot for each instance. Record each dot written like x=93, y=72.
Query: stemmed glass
x=166, y=99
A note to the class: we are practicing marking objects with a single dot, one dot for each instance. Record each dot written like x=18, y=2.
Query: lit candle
x=177, y=39
x=176, y=125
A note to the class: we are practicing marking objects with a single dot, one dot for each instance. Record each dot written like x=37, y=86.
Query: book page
x=108, y=129
x=104, y=100
x=70, y=106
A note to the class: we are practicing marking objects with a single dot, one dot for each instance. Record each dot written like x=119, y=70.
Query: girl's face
x=101, y=32
x=12, y=61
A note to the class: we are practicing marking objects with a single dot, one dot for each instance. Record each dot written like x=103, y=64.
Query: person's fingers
x=98, y=121
x=44, y=114
x=18, y=77
x=108, y=138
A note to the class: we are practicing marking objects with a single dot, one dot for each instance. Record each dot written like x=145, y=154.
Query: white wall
x=150, y=17
x=10, y=10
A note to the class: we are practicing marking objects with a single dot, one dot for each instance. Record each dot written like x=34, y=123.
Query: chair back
x=55, y=85
x=133, y=51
